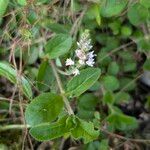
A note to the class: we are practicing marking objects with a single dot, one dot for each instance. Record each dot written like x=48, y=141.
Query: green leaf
x=58, y=28
x=22, y=2
x=129, y=66
x=110, y=83
x=122, y=97
x=58, y=45
x=49, y=131
x=30, y=57
x=127, y=84
x=122, y=122
x=126, y=31
x=44, y=108
x=10, y=73
x=146, y=65
x=96, y=8
x=115, y=26
x=3, y=7
x=113, y=68
x=97, y=145
x=3, y=146
x=95, y=87
x=145, y=3
x=108, y=98
x=80, y=83
x=103, y=58
x=104, y=144
x=86, y=106
x=92, y=146
x=137, y=14
x=45, y=76
x=87, y=101
x=126, y=55
x=85, y=114
x=143, y=45
x=111, y=8
x=94, y=13
x=84, y=130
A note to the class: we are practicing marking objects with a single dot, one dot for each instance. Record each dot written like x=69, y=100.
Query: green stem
x=13, y=126
x=68, y=107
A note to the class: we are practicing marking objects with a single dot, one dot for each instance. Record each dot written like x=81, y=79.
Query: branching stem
x=68, y=107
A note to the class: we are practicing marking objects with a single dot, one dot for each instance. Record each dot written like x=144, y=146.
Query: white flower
x=83, y=55
x=80, y=54
x=75, y=72
x=69, y=62
x=90, y=62
x=81, y=62
x=90, y=55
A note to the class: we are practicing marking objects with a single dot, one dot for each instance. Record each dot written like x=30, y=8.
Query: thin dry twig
x=125, y=138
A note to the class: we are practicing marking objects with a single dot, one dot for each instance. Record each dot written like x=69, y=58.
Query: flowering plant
x=79, y=73
x=83, y=56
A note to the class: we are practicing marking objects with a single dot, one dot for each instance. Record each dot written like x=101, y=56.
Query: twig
x=117, y=49
x=124, y=138
x=77, y=23
x=134, y=41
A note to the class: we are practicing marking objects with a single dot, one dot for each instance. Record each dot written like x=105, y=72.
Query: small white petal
x=75, y=71
x=69, y=62
x=90, y=55
x=90, y=62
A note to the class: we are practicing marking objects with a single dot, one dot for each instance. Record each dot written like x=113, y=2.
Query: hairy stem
x=68, y=107
x=13, y=126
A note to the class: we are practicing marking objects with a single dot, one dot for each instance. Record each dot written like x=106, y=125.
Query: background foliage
x=111, y=101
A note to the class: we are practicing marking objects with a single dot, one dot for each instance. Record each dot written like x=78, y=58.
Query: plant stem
x=68, y=107
x=13, y=126
x=125, y=138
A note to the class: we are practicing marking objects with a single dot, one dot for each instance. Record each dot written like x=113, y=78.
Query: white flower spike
x=83, y=55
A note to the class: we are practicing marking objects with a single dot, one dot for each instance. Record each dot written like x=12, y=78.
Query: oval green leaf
x=44, y=108
x=122, y=122
x=10, y=73
x=45, y=76
x=59, y=45
x=80, y=83
x=3, y=7
x=110, y=83
x=49, y=131
x=145, y=3
x=138, y=14
x=111, y=8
